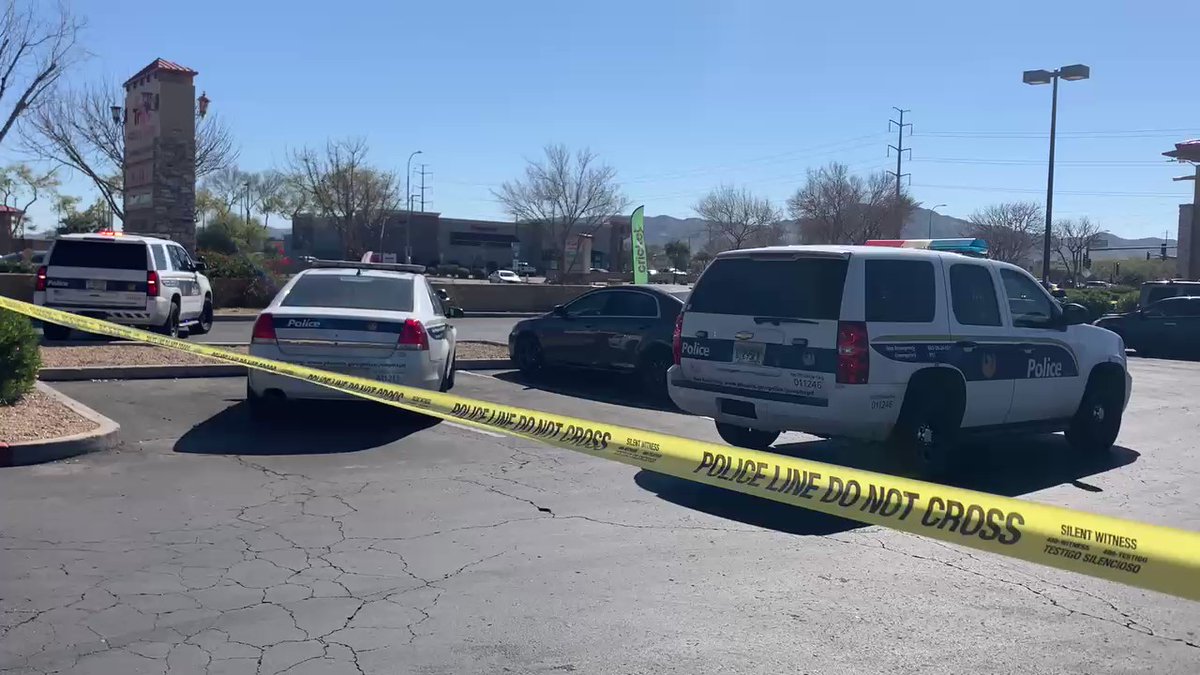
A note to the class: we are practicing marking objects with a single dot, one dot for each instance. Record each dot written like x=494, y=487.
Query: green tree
x=73, y=221
x=678, y=253
x=229, y=233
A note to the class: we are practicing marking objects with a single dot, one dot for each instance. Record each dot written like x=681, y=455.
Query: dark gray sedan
x=624, y=329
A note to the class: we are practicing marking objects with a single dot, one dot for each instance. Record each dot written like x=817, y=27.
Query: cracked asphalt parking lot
x=352, y=539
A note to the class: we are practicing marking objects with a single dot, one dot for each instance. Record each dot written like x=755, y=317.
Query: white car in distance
x=504, y=277
x=379, y=321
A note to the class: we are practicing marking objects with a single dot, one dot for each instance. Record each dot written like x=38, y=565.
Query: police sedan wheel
x=529, y=355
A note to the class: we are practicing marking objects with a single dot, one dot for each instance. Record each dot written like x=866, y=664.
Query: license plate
x=748, y=353
x=96, y=285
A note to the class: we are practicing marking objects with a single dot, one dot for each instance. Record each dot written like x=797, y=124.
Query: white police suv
x=914, y=342
x=124, y=278
x=380, y=321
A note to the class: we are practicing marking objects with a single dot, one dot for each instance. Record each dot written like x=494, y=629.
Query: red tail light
x=264, y=329
x=152, y=284
x=853, y=353
x=413, y=335
x=40, y=284
x=677, y=339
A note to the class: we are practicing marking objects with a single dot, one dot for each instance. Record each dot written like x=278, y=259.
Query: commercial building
x=483, y=244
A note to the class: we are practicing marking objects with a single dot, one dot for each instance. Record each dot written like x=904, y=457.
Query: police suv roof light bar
x=355, y=265
x=976, y=248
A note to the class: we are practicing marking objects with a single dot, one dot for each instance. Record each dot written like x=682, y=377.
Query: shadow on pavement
x=302, y=427
x=599, y=386
x=1010, y=466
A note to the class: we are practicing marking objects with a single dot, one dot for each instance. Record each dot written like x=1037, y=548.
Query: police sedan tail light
x=264, y=329
x=414, y=336
x=677, y=339
x=40, y=284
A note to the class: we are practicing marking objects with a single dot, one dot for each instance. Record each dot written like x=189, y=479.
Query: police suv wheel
x=1096, y=424
x=925, y=435
x=170, y=327
x=205, y=322
x=745, y=437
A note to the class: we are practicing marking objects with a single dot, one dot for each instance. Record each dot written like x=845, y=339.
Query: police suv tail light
x=152, y=284
x=40, y=284
x=853, y=353
x=264, y=329
x=677, y=339
x=413, y=336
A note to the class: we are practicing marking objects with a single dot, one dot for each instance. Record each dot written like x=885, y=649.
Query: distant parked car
x=1096, y=283
x=525, y=269
x=1169, y=327
x=504, y=277
x=626, y=330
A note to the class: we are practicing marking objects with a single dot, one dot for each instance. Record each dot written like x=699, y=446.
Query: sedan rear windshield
x=109, y=255
x=351, y=291
x=808, y=288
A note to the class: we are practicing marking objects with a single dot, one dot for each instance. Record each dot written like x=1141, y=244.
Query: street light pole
x=931, y=211
x=408, y=211
x=1069, y=73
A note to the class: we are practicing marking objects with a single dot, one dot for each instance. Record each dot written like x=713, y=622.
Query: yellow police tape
x=1150, y=556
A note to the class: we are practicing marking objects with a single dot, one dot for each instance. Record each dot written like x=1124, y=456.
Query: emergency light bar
x=976, y=248
x=355, y=265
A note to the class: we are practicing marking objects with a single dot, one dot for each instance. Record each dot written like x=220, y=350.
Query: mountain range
x=920, y=224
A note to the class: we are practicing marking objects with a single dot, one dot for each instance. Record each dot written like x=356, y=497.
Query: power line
x=1080, y=162
x=1086, y=193
x=899, y=148
x=1111, y=133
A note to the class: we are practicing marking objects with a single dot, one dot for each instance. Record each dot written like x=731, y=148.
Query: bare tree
x=737, y=219
x=837, y=207
x=228, y=186
x=565, y=194
x=75, y=129
x=1010, y=229
x=36, y=48
x=339, y=184
x=268, y=194
x=21, y=187
x=1072, y=239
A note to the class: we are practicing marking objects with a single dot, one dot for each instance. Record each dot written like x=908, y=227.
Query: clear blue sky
x=680, y=96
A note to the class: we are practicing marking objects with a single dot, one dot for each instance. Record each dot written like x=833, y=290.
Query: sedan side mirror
x=560, y=311
x=455, y=312
x=1074, y=314
x=199, y=266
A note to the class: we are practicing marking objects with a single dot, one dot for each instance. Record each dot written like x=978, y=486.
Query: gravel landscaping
x=38, y=416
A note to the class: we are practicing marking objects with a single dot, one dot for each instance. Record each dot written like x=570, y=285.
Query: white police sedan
x=374, y=320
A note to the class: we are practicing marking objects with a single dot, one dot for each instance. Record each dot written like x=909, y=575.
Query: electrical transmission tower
x=423, y=173
x=899, y=148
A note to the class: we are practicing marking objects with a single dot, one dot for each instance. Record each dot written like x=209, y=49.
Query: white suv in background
x=916, y=347
x=124, y=278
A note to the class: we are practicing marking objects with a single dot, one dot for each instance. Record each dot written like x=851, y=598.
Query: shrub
x=19, y=356
x=1097, y=301
x=1127, y=301
x=236, y=266
x=15, y=266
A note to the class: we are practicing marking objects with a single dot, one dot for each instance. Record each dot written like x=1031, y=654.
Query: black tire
x=448, y=378
x=1096, y=424
x=745, y=437
x=170, y=327
x=653, y=373
x=55, y=332
x=926, y=433
x=529, y=356
x=205, y=322
x=260, y=408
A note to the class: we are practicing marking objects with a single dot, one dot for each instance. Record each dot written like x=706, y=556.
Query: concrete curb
x=234, y=317
x=104, y=437
x=164, y=372
x=170, y=372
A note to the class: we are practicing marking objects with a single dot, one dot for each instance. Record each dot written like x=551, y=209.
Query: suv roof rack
x=356, y=265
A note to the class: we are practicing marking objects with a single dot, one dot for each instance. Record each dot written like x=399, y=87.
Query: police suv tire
x=170, y=327
x=745, y=437
x=926, y=432
x=204, y=322
x=448, y=377
x=528, y=355
x=1095, y=426
x=54, y=332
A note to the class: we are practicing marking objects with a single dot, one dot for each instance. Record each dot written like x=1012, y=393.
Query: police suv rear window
x=351, y=291
x=900, y=291
x=807, y=288
x=109, y=255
